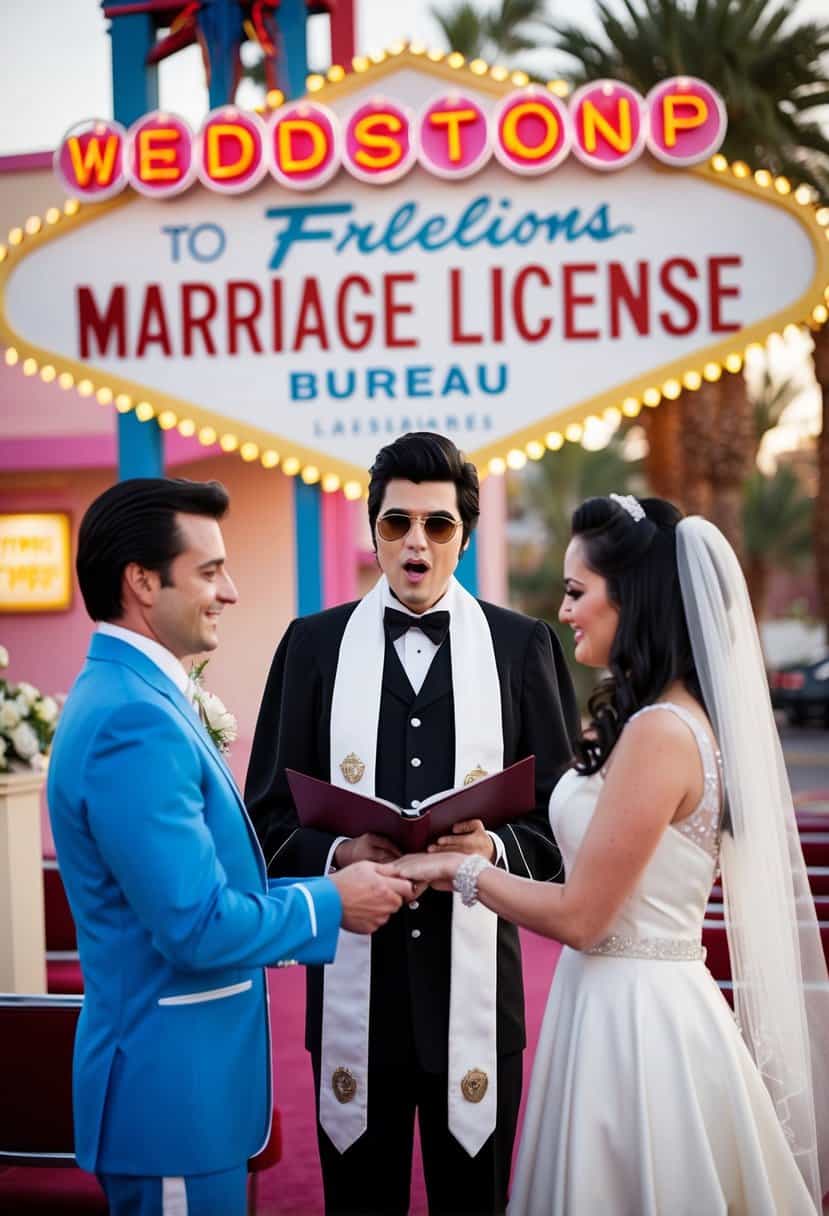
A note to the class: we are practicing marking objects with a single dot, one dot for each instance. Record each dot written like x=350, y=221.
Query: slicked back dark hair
x=651, y=648
x=425, y=456
x=135, y=521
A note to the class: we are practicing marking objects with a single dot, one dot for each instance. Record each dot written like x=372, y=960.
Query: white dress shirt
x=415, y=649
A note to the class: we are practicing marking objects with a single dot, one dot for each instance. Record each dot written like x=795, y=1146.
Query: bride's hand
x=435, y=869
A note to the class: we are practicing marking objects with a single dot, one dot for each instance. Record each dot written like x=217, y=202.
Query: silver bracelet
x=465, y=881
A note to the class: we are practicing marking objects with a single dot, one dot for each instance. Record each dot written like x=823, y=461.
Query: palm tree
x=771, y=76
x=549, y=492
x=777, y=524
x=513, y=27
x=769, y=71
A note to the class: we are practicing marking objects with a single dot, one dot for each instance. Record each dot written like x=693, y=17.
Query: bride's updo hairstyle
x=651, y=649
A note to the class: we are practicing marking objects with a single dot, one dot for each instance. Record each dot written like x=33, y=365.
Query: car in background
x=801, y=690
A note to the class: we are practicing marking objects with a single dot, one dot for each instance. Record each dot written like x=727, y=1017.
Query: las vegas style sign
x=413, y=246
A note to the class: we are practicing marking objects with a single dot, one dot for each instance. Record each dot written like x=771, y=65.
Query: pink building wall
x=48, y=649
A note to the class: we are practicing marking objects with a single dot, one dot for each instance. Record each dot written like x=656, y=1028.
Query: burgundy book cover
x=495, y=800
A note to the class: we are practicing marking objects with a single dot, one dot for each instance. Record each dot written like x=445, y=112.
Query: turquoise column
x=135, y=92
x=293, y=70
x=467, y=571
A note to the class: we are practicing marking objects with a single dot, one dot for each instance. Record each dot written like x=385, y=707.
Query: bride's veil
x=781, y=991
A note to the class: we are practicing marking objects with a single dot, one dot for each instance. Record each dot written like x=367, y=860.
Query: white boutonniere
x=219, y=722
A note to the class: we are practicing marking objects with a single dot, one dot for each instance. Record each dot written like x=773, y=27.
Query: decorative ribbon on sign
x=479, y=750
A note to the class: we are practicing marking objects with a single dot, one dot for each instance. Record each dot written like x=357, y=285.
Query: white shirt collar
x=444, y=604
x=154, y=651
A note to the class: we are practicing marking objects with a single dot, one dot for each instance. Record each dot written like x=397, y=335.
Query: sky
x=55, y=65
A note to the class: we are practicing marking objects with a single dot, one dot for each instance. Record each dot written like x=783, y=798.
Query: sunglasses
x=395, y=524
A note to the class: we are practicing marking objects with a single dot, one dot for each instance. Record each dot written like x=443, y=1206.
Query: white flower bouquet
x=219, y=722
x=27, y=722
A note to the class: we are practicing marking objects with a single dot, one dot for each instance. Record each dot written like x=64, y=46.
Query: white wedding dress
x=644, y=1100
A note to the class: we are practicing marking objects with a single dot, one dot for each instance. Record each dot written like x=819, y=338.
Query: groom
x=417, y=688
x=164, y=874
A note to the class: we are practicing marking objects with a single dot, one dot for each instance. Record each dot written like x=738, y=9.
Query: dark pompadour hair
x=425, y=456
x=135, y=521
x=651, y=648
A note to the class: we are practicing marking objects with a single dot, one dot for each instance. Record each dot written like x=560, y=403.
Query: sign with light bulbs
x=414, y=245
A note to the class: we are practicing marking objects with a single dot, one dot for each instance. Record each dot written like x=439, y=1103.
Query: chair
x=37, y=1036
x=815, y=847
x=818, y=879
x=36, y=1042
x=63, y=969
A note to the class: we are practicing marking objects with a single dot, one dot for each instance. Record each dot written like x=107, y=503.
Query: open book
x=495, y=799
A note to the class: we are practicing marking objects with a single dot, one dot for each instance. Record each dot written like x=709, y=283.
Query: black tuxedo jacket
x=411, y=955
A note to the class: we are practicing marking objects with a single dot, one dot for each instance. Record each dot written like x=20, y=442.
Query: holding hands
x=383, y=887
x=436, y=870
x=370, y=894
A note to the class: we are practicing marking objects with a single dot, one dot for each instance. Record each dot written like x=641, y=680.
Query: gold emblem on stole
x=474, y=1085
x=352, y=768
x=343, y=1084
x=475, y=774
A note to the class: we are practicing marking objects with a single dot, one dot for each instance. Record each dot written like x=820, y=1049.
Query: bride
x=647, y=1095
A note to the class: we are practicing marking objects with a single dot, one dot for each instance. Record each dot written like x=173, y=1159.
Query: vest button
x=414, y=905
x=415, y=722
x=415, y=933
x=416, y=762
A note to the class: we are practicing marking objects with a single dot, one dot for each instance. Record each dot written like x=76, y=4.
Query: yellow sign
x=35, y=574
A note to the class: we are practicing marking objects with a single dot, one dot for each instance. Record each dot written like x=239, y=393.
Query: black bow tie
x=434, y=624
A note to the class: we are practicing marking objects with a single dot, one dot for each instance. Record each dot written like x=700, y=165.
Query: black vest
x=415, y=727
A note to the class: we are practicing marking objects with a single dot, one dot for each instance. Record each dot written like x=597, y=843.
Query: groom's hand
x=468, y=836
x=369, y=895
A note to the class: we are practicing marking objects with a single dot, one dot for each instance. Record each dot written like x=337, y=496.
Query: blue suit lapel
x=113, y=650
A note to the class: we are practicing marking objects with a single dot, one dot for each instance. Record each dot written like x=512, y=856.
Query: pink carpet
x=294, y=1187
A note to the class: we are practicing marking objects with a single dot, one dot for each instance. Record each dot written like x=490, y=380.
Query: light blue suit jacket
x=176, y=919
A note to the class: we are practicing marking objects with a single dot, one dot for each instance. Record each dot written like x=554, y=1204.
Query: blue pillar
x=467, y=571
x=292, y=62
x=308, y=526
x=135, y=92
x=220, y=24
x=292, y=50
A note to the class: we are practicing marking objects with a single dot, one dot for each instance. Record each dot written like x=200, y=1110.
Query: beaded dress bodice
x=662, y=917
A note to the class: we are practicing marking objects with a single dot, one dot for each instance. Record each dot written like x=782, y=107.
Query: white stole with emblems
x=479, y=745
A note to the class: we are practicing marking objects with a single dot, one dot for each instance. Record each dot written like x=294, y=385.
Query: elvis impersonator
x=416, y=688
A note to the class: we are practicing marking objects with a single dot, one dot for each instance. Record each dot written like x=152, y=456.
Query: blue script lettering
x=484, y=221
x=295, y=230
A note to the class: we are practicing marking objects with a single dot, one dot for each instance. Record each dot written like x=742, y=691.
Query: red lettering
x=392, y=309
x=635, y=300
x=546, y=324
x=236, y=319
x=497, y=301
x=717, y=291
x=666, y=281
x=112, y=324
x=191, y=320
x=310, y=321
x=455, y=309
x=276, y=304
x=572, y=301
x=153, y=328
x=364, y=319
